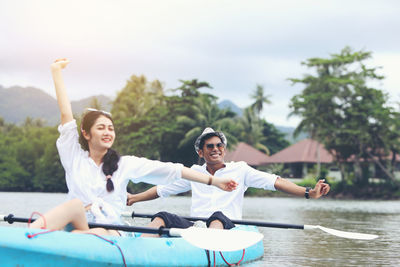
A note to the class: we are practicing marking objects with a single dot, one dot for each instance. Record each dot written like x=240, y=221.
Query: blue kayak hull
x=61, y=248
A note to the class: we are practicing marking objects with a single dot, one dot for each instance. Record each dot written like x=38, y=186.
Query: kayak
x=21, y=247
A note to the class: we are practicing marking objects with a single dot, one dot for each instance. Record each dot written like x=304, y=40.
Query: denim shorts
x=175, y=221
x=172, y=220
x=90, y=218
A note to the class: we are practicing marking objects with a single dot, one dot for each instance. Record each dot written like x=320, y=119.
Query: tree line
x=355, y=122
x=150, y=122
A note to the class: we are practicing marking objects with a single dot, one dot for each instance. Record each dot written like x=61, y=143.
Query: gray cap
x=209, y=132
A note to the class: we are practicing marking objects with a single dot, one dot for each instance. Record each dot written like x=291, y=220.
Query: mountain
x=229, y=104
x=79, y=106
x=17, y=103
x=288, y=131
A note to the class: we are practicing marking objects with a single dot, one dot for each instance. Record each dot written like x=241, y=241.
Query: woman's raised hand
x=130, y=199
x=59, y=63
x=62, y=98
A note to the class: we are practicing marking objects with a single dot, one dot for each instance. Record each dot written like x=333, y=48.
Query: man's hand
x=320, y=189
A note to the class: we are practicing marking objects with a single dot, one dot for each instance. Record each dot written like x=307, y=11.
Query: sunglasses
x=211, y=146
x=102, y=111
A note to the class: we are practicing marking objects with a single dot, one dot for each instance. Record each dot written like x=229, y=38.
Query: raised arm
x=286, y=186
x=177, y=187
x=62, y=98
x=226, y=184
x=149, y=194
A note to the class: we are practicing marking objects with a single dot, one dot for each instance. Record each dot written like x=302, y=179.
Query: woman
x=96, y=175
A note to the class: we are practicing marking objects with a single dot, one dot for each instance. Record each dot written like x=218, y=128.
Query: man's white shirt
x=208, y=199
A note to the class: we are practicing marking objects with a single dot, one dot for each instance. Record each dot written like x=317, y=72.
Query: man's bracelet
x=209, y=180
x=307, y=193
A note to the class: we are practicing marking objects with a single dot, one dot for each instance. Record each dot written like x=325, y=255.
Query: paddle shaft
x=178, y=232
x=261, y=224
x=161, y=231
x=351, y=235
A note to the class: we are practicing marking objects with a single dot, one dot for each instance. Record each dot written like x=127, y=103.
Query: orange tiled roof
x=303, y=151
x=247, y=153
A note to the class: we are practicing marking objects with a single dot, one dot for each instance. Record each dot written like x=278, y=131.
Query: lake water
x=283, y=247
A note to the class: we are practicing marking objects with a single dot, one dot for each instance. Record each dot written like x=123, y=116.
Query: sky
x=232, y=45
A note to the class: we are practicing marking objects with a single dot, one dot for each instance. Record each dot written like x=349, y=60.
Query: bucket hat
x=209, y=132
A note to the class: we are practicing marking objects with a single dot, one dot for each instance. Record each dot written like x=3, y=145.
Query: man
x=206, y=200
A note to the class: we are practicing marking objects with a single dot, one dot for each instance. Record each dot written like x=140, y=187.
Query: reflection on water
x=283, y=247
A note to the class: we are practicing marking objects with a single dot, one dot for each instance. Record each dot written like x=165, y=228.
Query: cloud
x=233, y=45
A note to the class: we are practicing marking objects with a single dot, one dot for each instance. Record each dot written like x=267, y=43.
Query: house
x=308, y=153
x=301, y=156
x=246, y=153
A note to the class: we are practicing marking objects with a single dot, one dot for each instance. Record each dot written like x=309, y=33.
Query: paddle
x=205, y=238
x=350, y=235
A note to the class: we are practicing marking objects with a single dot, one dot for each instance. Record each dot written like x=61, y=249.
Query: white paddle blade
x=350, y=235
x=218, y=239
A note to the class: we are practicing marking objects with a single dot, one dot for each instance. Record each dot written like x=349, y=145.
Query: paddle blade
x=350, y=235
x=217, y=239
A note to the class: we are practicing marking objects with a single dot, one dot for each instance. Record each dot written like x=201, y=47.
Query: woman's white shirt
x=87, y=182
x=208, y=199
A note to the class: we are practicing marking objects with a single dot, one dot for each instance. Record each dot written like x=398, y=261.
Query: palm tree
x=208, y=114
x=137, y=97
x=251, y=121
x=95, y=103
x=252, y=130
x=190, y=88
x=260, y=99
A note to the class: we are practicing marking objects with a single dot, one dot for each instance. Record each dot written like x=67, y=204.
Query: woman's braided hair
x=111, y=158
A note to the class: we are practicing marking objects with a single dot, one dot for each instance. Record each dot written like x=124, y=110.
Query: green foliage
x=95, y=103
x=167, y=131
x=258, y=192
x=333, y=107
x=191, y=88
x=251, y=130
x=49, y=173
x=148, y=123
x=13, y=177
x=309, y=181
x=29, y=159
x=370, y=191
x=341, y=111
x=275, y=140
x=206, y=114
x=259, y=99
x=138, y=188
x=137, y=98
x=255, y=131
x=276, y=168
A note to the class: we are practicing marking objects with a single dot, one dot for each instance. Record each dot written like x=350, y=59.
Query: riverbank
x=338, y=191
